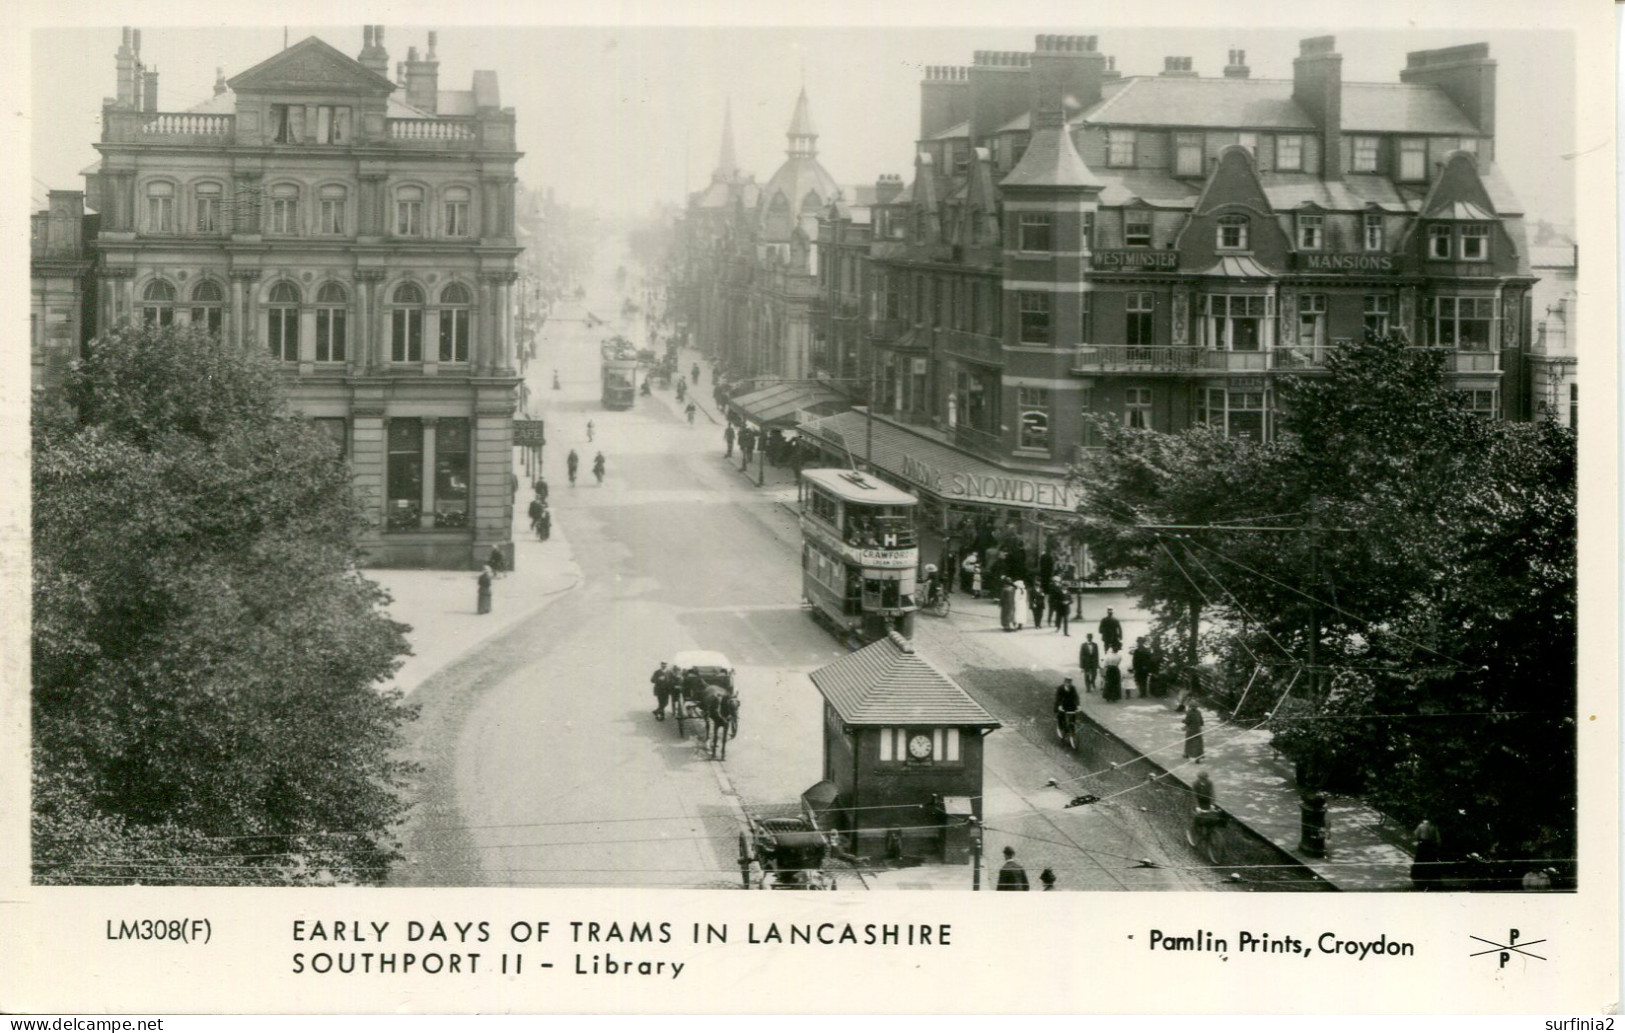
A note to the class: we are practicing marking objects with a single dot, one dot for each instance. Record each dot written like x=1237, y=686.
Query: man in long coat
x=1012, y=876
x=1111, y=632
x=1140, y=658
x=1007, y=606
x=663, y=684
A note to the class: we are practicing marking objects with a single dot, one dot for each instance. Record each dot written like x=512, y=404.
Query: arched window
x=284, y=209
x=454, y=323
x=208, y=207
x=409, y=212
x=158, y=304
x=331, y=312
x=333, y=200
x=1232, y=232
x=456, y=201
x=406, y=324
x=160, y=208
x=282, y=322
x=207, y=305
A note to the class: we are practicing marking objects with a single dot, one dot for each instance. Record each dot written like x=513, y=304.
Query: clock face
x=919, y=747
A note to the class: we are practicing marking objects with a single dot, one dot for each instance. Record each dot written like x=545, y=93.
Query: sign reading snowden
x=1001, y=489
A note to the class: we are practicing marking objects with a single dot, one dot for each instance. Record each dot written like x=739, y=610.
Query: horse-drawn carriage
x=790, y=853
x=709, y=695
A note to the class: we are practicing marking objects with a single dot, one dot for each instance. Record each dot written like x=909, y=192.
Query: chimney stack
x=1317, y=87
x=888, y=188
x=1466, y=74
x=999, y=89
x=1178, y=68
x=1236, y=67
x=149, y=91
x=1111, y=71
x=1067, y=71
x=124, y=63
x=423, y=79
x=373, y=56
x=219, y=81
x=944, y=99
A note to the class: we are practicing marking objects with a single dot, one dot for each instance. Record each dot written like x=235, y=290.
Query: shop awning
x=917, y=462
x=778, y=405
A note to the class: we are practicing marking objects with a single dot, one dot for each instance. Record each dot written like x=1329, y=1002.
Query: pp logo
x=1504, y=951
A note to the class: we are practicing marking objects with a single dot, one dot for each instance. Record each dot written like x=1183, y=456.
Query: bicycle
x=1208, y=833
x=1066, y=726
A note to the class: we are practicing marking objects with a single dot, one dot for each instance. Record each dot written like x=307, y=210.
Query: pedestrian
x=535, y=515
x=694, y=374
x=1007, y=605
x=486, y=577
x=1066, y=708
x=690, y=413
x=1111, y=632
x=1111, y=689
x=1036, y=600
x=1047, y=877
x=728, y=440
x=544, y=524
x=1012, y=876
x=494, y=560
x=589, y=430
x=1153, y=669
x=1425, y=856
x=541, y=491
x=1046, y=565
x=1060, y=604
x=970, y=575
x=1140, y=658
x=1089, y=662
x=1193, y=732
x=571, y=462
x=662, y=682
x=598, y=468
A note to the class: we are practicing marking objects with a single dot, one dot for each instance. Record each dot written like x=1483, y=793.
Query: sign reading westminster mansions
x=1135, y=258
x=1349, y=262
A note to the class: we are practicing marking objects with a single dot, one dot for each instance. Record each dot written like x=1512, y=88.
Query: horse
x=721, y=707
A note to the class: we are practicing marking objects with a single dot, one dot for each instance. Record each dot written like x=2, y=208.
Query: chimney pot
x=411, y=53
x=366, y=35
x=137, y=35
x=434, y=37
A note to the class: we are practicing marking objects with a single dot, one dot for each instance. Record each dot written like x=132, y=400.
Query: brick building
x=1160, y=249
x=362, y=230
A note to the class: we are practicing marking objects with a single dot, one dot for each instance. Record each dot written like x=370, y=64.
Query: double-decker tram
x=859, y=553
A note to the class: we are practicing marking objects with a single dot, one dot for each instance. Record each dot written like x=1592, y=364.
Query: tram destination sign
x=1133, y=258
x=1353, y=263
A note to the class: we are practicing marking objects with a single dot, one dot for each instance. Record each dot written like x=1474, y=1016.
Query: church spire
x=803, y=134
x=727, y=164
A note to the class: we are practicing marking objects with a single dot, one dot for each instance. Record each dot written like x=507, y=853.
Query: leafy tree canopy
x=206, y=658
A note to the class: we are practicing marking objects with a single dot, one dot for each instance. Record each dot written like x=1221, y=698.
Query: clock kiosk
x=902, y=754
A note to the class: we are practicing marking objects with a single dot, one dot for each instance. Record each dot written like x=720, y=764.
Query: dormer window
x=1187, y=154
x=1120, y=148
x=1475, y=241
x=1232, y=235
x=1439, y=242
x=1363, y=154
x=1311, y=232
x=1289, y=153
x=1413, y=159
x=1137, y=229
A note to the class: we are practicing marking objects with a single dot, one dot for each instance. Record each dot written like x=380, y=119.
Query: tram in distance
x=859, y=554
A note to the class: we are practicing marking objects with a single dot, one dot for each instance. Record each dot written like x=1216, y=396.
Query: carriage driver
x=693, y=685
x=665, y=684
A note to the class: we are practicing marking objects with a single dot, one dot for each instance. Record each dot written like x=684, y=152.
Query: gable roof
x=887, y=683
x=307, y=66
x=1401, y=108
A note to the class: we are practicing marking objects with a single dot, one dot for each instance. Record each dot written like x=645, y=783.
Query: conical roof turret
x=803, y=135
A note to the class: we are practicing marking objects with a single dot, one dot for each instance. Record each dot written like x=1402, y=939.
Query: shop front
x=966, y=503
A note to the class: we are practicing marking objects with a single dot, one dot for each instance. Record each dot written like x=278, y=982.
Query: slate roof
x=1153, y=186
x=1401, y=108
x=1268, y=104
x=1287, y=190
x=954, y=132
x=888, y=683
x=1051, y=160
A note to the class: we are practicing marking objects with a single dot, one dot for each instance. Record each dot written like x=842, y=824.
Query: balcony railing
x=1157, y=358
x=184, y=124
x=432, y=130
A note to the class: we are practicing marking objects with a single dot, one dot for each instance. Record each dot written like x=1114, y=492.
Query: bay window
x=1235, y=322
x=1465, y=324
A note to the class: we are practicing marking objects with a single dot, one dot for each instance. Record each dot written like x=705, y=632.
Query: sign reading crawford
x=1131, y=258
x=999, y=489
x=1354, y=262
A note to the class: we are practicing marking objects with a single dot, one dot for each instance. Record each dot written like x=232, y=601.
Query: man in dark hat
x=1111, y=632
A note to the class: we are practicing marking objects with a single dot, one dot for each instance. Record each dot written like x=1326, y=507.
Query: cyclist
x=570, y=464
x=598, y=467
x=1207, y=818
x=1066, y=712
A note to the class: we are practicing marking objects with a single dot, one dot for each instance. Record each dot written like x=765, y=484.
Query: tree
x=1412, y=628
x=207, y=701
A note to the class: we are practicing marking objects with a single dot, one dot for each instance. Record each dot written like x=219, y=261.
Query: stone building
x=1160, y=249
x=359, y=228
x=59, y=267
